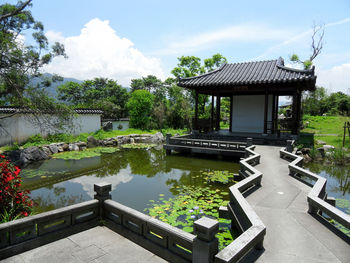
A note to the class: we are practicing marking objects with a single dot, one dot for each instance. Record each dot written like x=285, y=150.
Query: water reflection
x=137, y=176
x=338, y=178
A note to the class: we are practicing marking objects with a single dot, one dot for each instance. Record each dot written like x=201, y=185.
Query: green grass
x=328, y=129
x=87, y=153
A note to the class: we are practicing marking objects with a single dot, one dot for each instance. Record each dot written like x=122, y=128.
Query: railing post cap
x=102, y=188
x=205, y=228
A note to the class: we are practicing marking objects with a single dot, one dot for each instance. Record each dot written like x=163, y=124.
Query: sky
x=123, y=40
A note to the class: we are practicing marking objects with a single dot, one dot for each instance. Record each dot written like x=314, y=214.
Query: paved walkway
x=292, y=235
x=99, y=244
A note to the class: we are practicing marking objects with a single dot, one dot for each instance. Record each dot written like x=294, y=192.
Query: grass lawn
x=327, y=128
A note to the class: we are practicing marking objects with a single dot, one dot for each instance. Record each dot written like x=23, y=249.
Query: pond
x=338, y=185
x=167, y=187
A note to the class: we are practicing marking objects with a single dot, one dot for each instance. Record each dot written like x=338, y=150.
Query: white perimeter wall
x=19, y=128
x=248, y=113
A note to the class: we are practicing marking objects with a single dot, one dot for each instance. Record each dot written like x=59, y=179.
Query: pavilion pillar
x=231, y=115
x=196, y=112
x=212, y=114
x=218, y=105
x=273, y=113
x=296, y=110
x=266, y=111
x=276, y=113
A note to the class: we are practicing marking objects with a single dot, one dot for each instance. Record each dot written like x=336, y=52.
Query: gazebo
x=254, y=89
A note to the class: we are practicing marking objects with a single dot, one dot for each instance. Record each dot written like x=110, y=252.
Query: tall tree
x=20, y=62
x=140, y=107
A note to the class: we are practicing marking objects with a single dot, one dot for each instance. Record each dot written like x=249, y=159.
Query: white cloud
x=99, y=52
x=124, y=176
x=335, y=79
x=239, y=33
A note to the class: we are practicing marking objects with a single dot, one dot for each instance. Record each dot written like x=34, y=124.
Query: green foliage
x=102, y=93
x=140, y=107
x=338, y=156
x=138, y=146
x=192, y=203
x=223, y=177
x=87, y=153
x=20, y=63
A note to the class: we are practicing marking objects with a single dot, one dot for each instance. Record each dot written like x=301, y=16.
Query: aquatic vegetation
x=138, y=146
x=223, y=177
x=192, y=203
x=87, y=153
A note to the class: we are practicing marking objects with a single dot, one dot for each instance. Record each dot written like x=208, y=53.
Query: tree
x=316, y=47
x=140, y=107
x=19, y=63
x=102, y=93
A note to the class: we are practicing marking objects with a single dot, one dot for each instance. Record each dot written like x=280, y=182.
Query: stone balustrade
x=243, y=217
x=317, y=198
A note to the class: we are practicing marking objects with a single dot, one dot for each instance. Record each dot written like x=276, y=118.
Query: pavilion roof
x=251, y=74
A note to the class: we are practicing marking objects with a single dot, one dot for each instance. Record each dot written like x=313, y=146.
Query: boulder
x=46, y=150
x=322, y=152
x=328, y=148
x=319, y=142
x=123, y=139
x=132, y=140
x=305, y=151
x=307, y=158
x=32, y=154
x=92, y=142
x=60, y=149
x=107, y=126
x=53, y=148
x=73, y=147
x=65, y=147
x=81, y=144
x=157, y=138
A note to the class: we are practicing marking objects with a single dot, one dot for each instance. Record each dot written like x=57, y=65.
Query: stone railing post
x=249, y=142
x=102, y=193
x=289, y=147
x=206, y=245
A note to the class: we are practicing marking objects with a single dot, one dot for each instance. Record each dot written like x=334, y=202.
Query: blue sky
x=129, y=39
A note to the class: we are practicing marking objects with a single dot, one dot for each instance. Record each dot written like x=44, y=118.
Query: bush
x=14, y=203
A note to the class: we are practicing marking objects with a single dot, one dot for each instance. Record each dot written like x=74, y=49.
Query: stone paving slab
x=292, y=235
x=98, y=245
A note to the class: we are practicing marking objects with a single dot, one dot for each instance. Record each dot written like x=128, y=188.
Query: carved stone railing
x=33, y=231
x=317, y=198
x=242, y=214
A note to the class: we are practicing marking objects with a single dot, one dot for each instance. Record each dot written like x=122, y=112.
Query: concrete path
x=96, y=245
x=292, y=235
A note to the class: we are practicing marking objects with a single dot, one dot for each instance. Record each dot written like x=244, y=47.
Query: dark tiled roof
x=9, y=110
x=248, y=73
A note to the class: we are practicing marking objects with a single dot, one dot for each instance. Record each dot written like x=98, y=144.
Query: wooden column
x=218, y=103
x=231, y=115
x=298, y=112
x=276, y=112
x=266, y=108
x=273, y=113
x=196, y=112
x=212, y=113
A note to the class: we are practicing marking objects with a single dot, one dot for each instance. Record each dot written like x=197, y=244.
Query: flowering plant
x=14, y=202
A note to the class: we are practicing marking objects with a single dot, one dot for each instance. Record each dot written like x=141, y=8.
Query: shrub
x=14, y=203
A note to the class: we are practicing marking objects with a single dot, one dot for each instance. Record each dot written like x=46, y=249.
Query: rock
x=60, y=149
x=32, y=154
x=46, y=150
x=107, y=126
x=53, y=148
x=319, y=142
x=123, y=139
x=132, y=140
x=65, y=147
x=92, y=142
x=328, y=148
x=14, y=156
x=157, y=138
x=81, y=144
x=73, y=147
x=307, y=158
x=322, y=152
x=305, y=151
x=108, y=143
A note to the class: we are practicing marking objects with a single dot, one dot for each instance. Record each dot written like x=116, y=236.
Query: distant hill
x=52, y=89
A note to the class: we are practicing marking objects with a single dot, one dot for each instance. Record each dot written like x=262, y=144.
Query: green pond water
x=167, y=187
